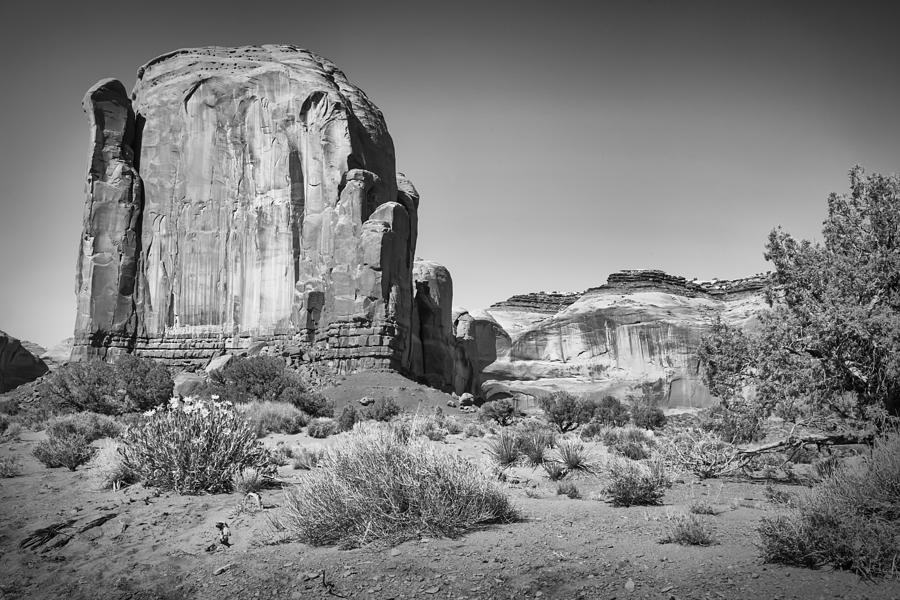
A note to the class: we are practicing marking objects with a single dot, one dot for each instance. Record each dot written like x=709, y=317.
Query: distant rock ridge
x=19, y=363
x=539, y=301
x=641, y=327
x=660, y=280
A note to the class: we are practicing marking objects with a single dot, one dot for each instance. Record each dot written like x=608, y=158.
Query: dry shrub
x=383, y=409
x=194, y=446
x=108, y=470
x=383, y=486
x=851, y=520
x=632, y=450
x=321, y=428
x=349, y=417
x=70, y=451
x=307, y=458
x=689, y=530
x=90, y=425
x=702, y=453
x=535, y=443
x=647, y=416
x=619, y=436
x=12, y=432
x=274, y=417
x=309, y=401
x=702, y=507
x=634, y=483
x=473, y=430
x=567, y=488
x=609, y=411
x=9, y=467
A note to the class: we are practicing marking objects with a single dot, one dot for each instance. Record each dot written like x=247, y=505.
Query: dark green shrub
x=253, y=378
x=383, y=409
x=147, y=383
x=733, y=425
x=610, y=411
x=69, y=451
x=502, y=411
x=88, y=386
x=131, y=384
x=566, y=411
x=348, y=418
x=91, y=426
x=567, y=488
x=648, y=416
x=309, y=401
x=321, y=427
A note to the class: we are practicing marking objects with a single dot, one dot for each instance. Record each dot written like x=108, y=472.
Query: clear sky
x=552, y=142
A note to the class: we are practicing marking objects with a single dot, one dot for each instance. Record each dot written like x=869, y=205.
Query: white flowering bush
x=193, y=446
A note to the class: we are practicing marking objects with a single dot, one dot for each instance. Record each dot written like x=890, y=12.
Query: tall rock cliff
x=642, y=327
x=242, y=195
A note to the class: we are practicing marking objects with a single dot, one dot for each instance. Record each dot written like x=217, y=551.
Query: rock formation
x=642, y=327
x=17, y=364
x=244, y=195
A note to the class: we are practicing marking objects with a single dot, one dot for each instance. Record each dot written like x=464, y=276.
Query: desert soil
x=166, y=546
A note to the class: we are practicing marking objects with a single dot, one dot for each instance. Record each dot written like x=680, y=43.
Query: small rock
x=451, y=403
x=629, y=585
x=433, y=590
x=222, y=569
x=395, y=552
x=366, y=400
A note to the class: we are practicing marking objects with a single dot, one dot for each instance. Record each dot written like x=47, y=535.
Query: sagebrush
x=378, y=486
x=637, y=482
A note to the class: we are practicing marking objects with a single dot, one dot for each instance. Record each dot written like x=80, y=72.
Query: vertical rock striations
x=241, y=195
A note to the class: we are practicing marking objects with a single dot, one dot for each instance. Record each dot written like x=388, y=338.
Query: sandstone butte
x=246, y=198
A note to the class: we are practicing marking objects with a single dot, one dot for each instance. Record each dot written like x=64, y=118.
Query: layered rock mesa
x=242, y=195
x=642, y=327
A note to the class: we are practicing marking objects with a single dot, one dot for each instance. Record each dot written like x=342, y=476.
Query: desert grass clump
x=9, y=467
x=107, y=468
x=634, y=483
x=555, y=471
x=575, y=456
x=567, y=488
x=69, y=451
x=502, y=411
x=632, y=450
x=307, y=458
x=851, y=520
x=619, y=436
x=702, y=507
x=12, y=432
x=193, y=446
x=535, y=445
x=380, y=487
x=504, y=449
x=321, y=428
x=689, y=530
x=473, y=430
x=383, y=410
x=248, y=481
x=274, y=417
x=90, y=425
